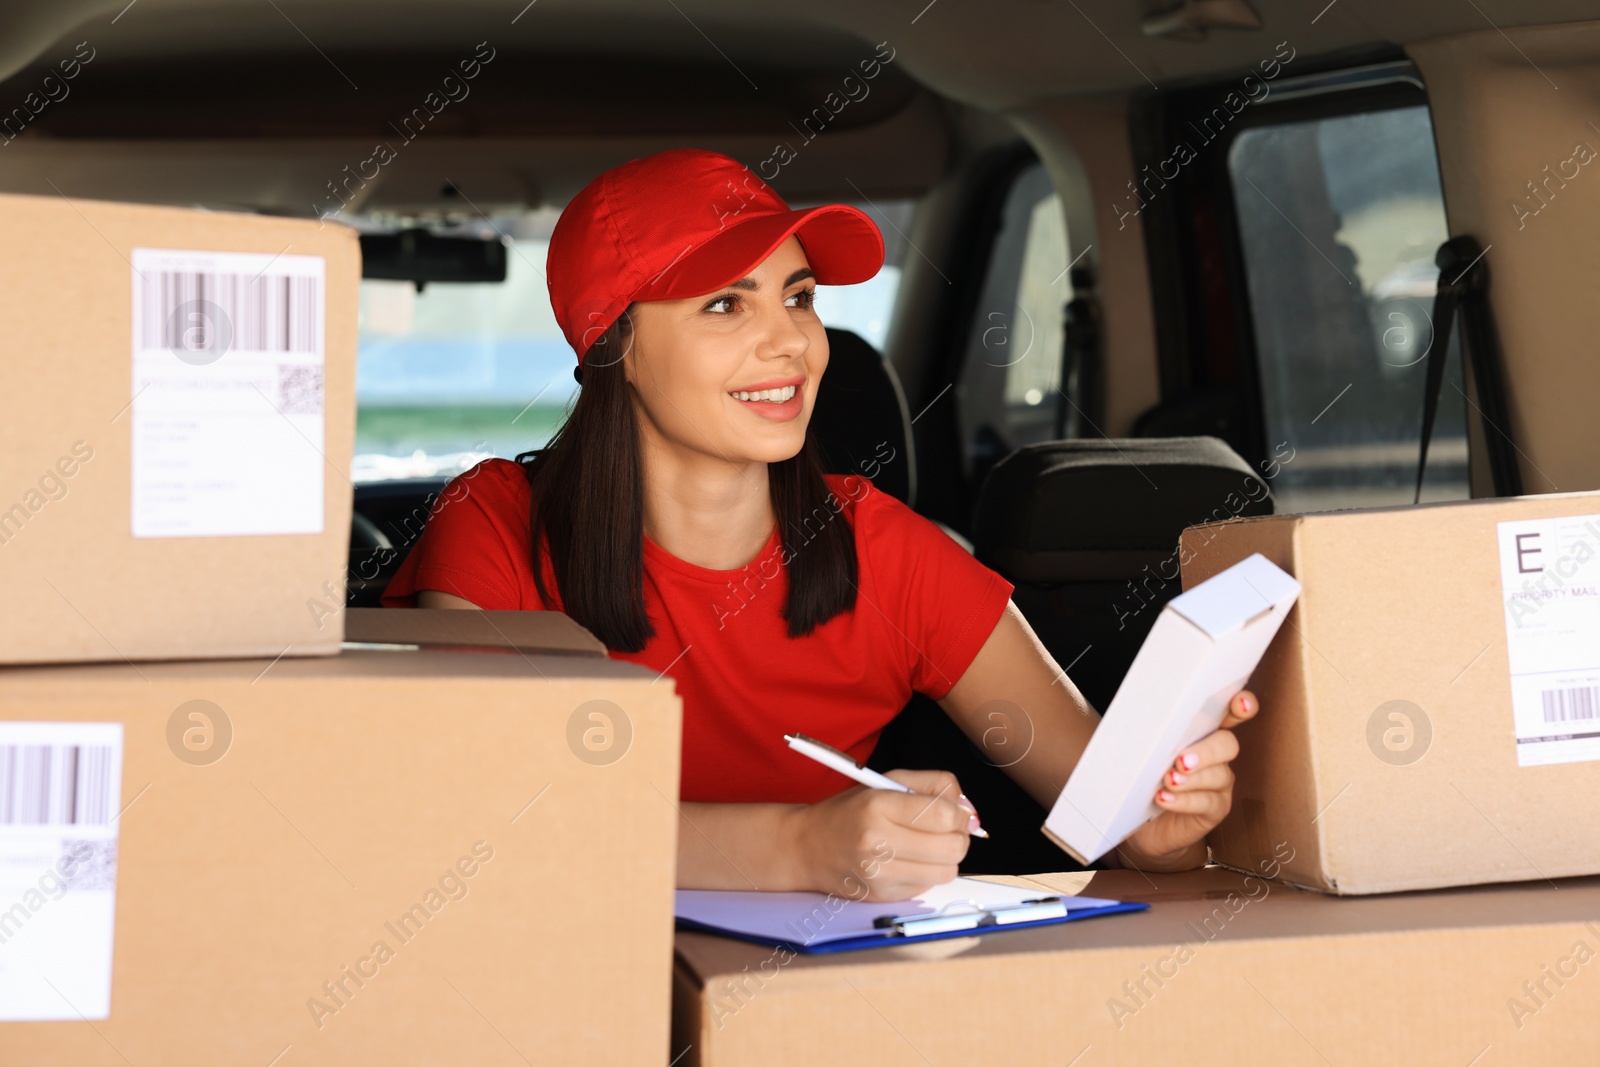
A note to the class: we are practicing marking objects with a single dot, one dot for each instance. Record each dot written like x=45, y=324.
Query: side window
x=1339, y=220
x=452, y=372
x=1009, y=390
x=866, y=309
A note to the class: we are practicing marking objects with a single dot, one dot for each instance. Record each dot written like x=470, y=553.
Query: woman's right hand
x=880, y=844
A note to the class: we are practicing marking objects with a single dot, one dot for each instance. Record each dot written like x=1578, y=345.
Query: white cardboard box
x=1199, y=654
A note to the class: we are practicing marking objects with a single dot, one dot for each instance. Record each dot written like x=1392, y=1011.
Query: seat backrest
x=861, y=418
x=1087, y=530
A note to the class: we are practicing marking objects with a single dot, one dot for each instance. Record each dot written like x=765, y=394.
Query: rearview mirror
x=419, y=256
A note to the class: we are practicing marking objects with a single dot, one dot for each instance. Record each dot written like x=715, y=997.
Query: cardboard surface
x=347, y=791
x=1222, y=969
x=1196, y=658
x=79, y=585
x=1385, y=753
x=523, y=631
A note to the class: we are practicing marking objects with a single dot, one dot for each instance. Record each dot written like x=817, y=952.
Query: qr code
x=88, y=864
x=299, y=389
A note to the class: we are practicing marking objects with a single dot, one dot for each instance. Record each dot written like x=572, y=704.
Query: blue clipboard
x=815, y=924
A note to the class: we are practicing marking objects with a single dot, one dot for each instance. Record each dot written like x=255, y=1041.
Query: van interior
x=1149, y=263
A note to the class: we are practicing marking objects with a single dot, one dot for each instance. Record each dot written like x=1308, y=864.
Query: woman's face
x=690, y=357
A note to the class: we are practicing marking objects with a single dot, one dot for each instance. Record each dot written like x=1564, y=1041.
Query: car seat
x=860, y=422
x=1087, y=530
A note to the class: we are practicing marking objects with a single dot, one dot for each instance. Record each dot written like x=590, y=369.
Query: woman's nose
x=784, y=337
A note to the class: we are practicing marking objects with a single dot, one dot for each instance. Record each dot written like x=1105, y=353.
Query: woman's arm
x=432, y=598
x=1017, y=704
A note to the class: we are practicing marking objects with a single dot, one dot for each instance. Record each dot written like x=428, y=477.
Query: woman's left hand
x=1195, y=795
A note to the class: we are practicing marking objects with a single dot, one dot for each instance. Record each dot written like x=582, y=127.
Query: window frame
x=944, y=493
x=1054, y=409
x=1202, y=340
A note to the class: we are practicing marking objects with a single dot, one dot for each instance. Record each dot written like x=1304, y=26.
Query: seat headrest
x=861, y=422
x=1102, y=510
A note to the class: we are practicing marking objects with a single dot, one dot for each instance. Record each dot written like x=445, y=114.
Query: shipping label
x=1550, y=578
x=60, y=795
x=228, y=360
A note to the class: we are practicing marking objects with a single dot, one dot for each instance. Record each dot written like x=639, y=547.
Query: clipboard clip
x=944, y=919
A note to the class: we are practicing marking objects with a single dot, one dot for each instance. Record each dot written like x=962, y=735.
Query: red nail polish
x=1164, y=796
x=1188, y=760
x=1178, y=779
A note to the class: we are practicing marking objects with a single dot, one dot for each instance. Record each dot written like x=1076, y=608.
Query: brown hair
x=588, y=504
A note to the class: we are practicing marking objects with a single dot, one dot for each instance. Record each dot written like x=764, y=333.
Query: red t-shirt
x=924, y=608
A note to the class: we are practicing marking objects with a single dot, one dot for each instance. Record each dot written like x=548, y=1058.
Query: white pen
x=829, y=756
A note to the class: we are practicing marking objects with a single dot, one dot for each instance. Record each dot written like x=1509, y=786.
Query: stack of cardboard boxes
x=225, y=837
x=241, y=824
x=1430, y=720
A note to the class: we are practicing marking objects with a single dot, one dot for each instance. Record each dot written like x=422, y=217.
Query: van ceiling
x=256, y=104
x=993, y=54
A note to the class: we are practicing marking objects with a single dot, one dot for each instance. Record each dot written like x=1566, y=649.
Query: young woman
x=681, y=514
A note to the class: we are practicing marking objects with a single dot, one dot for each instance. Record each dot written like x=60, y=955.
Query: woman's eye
x=715, y=305
x=807, y=298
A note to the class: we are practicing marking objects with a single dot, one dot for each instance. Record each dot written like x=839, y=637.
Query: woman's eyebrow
x=752, y=284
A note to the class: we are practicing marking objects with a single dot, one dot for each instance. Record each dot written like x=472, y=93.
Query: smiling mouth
x=770, y=396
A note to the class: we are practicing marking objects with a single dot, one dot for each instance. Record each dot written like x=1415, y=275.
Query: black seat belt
x=1464, y=287
x=1082, y=370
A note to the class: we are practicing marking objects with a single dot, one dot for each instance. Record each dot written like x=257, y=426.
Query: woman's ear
x=626, y=337
x=627, y=361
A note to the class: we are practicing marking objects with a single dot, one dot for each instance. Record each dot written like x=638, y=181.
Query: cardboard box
x=517, y=631
x=1196, y=658
x=1222, y=969
x=388, y=857
x=1430, y=715
x=177, y=419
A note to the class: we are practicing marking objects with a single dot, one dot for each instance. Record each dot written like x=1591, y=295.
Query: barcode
x=300, y=388
x=204, y=311
x=1564, y=705
x=56, y=785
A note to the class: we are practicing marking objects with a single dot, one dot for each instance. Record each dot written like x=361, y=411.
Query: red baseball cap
x=681, y=223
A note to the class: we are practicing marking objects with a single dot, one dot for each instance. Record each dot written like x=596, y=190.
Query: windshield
x=462, y=371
